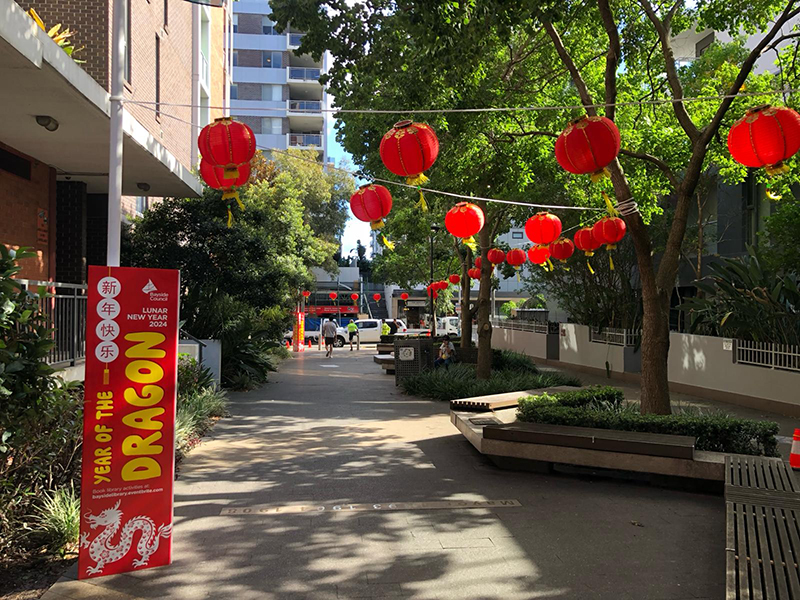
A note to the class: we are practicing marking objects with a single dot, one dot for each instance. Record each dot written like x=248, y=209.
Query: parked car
x=369, y=330
x=313, y=336
x=449, y=326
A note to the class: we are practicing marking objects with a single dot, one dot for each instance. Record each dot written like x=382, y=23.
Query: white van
x=449, y=326
x=369, y=330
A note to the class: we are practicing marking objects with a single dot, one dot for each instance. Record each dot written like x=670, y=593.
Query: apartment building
x=274, y=90
x=54, y=139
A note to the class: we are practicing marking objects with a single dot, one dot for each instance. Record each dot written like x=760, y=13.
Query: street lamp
x=434, y=230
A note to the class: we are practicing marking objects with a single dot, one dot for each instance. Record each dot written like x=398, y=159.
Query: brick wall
x=71, y=232
x=249, y=91
x=253, y=123
x=249, y=23
x=249, y=58
x=20, y=202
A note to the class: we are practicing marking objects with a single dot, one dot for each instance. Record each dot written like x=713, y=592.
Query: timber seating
x=386, y=361
x=762, y=529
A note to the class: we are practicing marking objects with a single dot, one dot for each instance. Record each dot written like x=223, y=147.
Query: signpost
x=129, y=420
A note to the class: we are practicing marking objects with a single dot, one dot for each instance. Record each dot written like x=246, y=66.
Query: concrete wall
x=528, y=342
x=575, y=348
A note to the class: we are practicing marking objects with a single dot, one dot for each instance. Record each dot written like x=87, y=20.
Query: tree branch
x=577, y=79
x=678, y=106
x=657, y=162
x=612, y=57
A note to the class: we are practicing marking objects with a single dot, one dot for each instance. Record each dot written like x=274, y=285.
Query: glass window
x=142, y=204
x=268, y=27
x=516, y=235
x=271, y=125
x=127, y=66
x=234, y=91
x=367, y=325
x=272, y=60
x=235, y=23
x=271, y=93
x=158, y=76
x=235, y=58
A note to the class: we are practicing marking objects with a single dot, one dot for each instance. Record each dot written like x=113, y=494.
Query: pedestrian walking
x=385, y=328
x=329, y=333
x=352, y=330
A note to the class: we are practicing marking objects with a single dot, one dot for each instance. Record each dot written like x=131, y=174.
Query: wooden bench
x=386, y=361
x=383, y=348
x=763, y=529
x=606, y=440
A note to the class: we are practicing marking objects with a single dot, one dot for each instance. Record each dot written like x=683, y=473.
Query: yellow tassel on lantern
x=387, y=243
x=600, y=175
x=550, y=265
x=610, y=247
x=418, y=179
x=422, y=204
x=376, y=224
x=230, y=217
x=589, y=265
x=773, y=196
x=776, y=169
x=235, y=195
x=470, y=243
x=610, y=206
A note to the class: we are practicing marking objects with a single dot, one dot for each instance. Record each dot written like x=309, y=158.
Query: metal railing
x=295, y=39
x=615, y=336
x=305, y=139
x=305, y=105
x=534, y=326
x=65, y=309
x=303, y=73
x=767, y=354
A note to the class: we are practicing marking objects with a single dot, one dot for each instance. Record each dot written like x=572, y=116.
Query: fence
x=615, y=336
x=305, y=139
x=534, y=326
x=303, y=73
x=66, y=312
x=766, y=354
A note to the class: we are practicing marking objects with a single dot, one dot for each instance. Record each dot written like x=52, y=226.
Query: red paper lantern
x=443, y=285
x=376, y=297
x=765, y=137
x=215, y=176
x=478, y=262
x=228, y=144
x=433, y=290
x=562, y=249
x=543, y=228
x=404, y=296
x=588, y=145
x=464, y=220
x=408, y=149
x=586, y=242
x=332, y=295
x=455, y=279
x=609, y=231
x=516, y=257
x=496, y=256
x=474, y=273
x=371, y=203
x=539, y=255
x=353, y=297
x=306, y=293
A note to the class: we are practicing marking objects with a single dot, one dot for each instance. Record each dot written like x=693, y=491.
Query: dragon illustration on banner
x=102, y=551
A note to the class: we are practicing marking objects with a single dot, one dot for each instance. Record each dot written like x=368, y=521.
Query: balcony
x=304, y=74
x=305, y=106
x=295, y=39
x=304, y=140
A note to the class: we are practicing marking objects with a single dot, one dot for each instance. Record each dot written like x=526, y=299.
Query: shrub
x=509, y=360
x=194, y=413
x=192, y=376
x=596, y=396
x=59, y=518
x=717, y=433
x=459, y=382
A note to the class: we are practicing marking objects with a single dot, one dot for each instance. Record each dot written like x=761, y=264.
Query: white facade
x=275, y=91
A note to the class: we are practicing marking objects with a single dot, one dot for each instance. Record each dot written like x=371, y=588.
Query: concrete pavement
x=325, y=433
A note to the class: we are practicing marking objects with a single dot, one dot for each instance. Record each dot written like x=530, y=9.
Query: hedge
x=716, y=433
x=593, y=395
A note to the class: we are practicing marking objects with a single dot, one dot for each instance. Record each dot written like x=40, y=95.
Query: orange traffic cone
x=287, y=344
x=794, y=456
x=309, y=344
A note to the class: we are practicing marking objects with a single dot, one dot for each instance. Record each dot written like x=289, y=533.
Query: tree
x=443, y=54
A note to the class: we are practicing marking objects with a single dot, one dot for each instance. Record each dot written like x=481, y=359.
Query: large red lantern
x=588, y=145
x=474, y=273
x=539, y=255
x=609, y=231
x=496, y=256
x=371, y=203
x=215, y=178
x=562, y=249
x=516, y=258
x=408, y=149
x=765, y=137
x=403, y=296
x=455, y=279
x=543, y=228
x=464, y=220
x=586, y=242
x=228, y=144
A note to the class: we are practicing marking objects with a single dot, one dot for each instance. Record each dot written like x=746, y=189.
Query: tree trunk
x=466, y=313
x=484, y=367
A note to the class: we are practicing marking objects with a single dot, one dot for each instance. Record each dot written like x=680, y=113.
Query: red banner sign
x=129, y=420
x=325, y=310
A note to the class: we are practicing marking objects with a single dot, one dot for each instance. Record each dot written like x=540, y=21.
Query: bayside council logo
x=152, y=291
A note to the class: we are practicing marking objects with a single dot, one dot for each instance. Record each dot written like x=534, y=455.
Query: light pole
x=434, y=229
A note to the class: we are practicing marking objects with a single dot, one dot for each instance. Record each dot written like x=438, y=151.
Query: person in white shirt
x=329, y=333
x=446, y=353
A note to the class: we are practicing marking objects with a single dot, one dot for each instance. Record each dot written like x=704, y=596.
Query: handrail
x=75, y=286
x=185, y=333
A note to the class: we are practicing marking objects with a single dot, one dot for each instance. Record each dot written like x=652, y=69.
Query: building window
x=268, y=27
x=271, y=125
x=271, y=93
x=272, y=60
x=703, y=45
x=516, y=235
x=13, y=163
x=166, y=13
x=127, y=66
x=142, y=204
x=235, y=23
x=234, y=91
x=235, y=58
x=158, y=76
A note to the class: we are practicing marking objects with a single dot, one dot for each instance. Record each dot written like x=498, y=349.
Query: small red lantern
x=443, y=285
x=371, y=203
x=562, y=249
x=306, y=293
x=588, y=145
x=516, y=258
x=408, y=149
x=455, y=279
x=539, y=255
x=543, y=228
x=464, y=220
x=478, y=262
x=332, y=295
x=403, y=296
x=474, y=273
x=496, y=256
x=432, y=289
x=609, y=231
x=228, y=144
x=353, y=297
x=765, y=137
x=376, y=297
x=586, y=242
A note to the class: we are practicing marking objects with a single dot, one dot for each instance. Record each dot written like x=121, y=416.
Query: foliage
x=782, y=230
x=596, y=395
x=195, y=411
x=715, y=433
x=192, y=376
x=59, y=36
x=58, y=518
x=458, y=381
x=747, y=300
x=536, y=300
x=508, y=360
x=507, y=307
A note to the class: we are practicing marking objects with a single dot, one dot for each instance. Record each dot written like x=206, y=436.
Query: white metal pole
x=115, y=138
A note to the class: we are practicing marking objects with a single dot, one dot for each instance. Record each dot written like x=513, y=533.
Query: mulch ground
x=28, y=577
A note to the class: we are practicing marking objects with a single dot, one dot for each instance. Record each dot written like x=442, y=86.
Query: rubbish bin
x=412, y=356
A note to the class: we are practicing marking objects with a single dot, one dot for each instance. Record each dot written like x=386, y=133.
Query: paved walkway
x=329, y=432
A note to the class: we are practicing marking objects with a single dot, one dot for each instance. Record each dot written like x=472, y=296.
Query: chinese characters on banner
x=129, y=420
x=299, y=332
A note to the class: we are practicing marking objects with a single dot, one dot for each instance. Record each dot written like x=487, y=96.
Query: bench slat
x=730, y=552
x=752, y=520
x=775, y=552
x=609, y=440
x=792, y=548
x=767, y=567
x=741, y=549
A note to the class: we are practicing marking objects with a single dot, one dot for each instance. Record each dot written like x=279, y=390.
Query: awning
x=40, y=79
